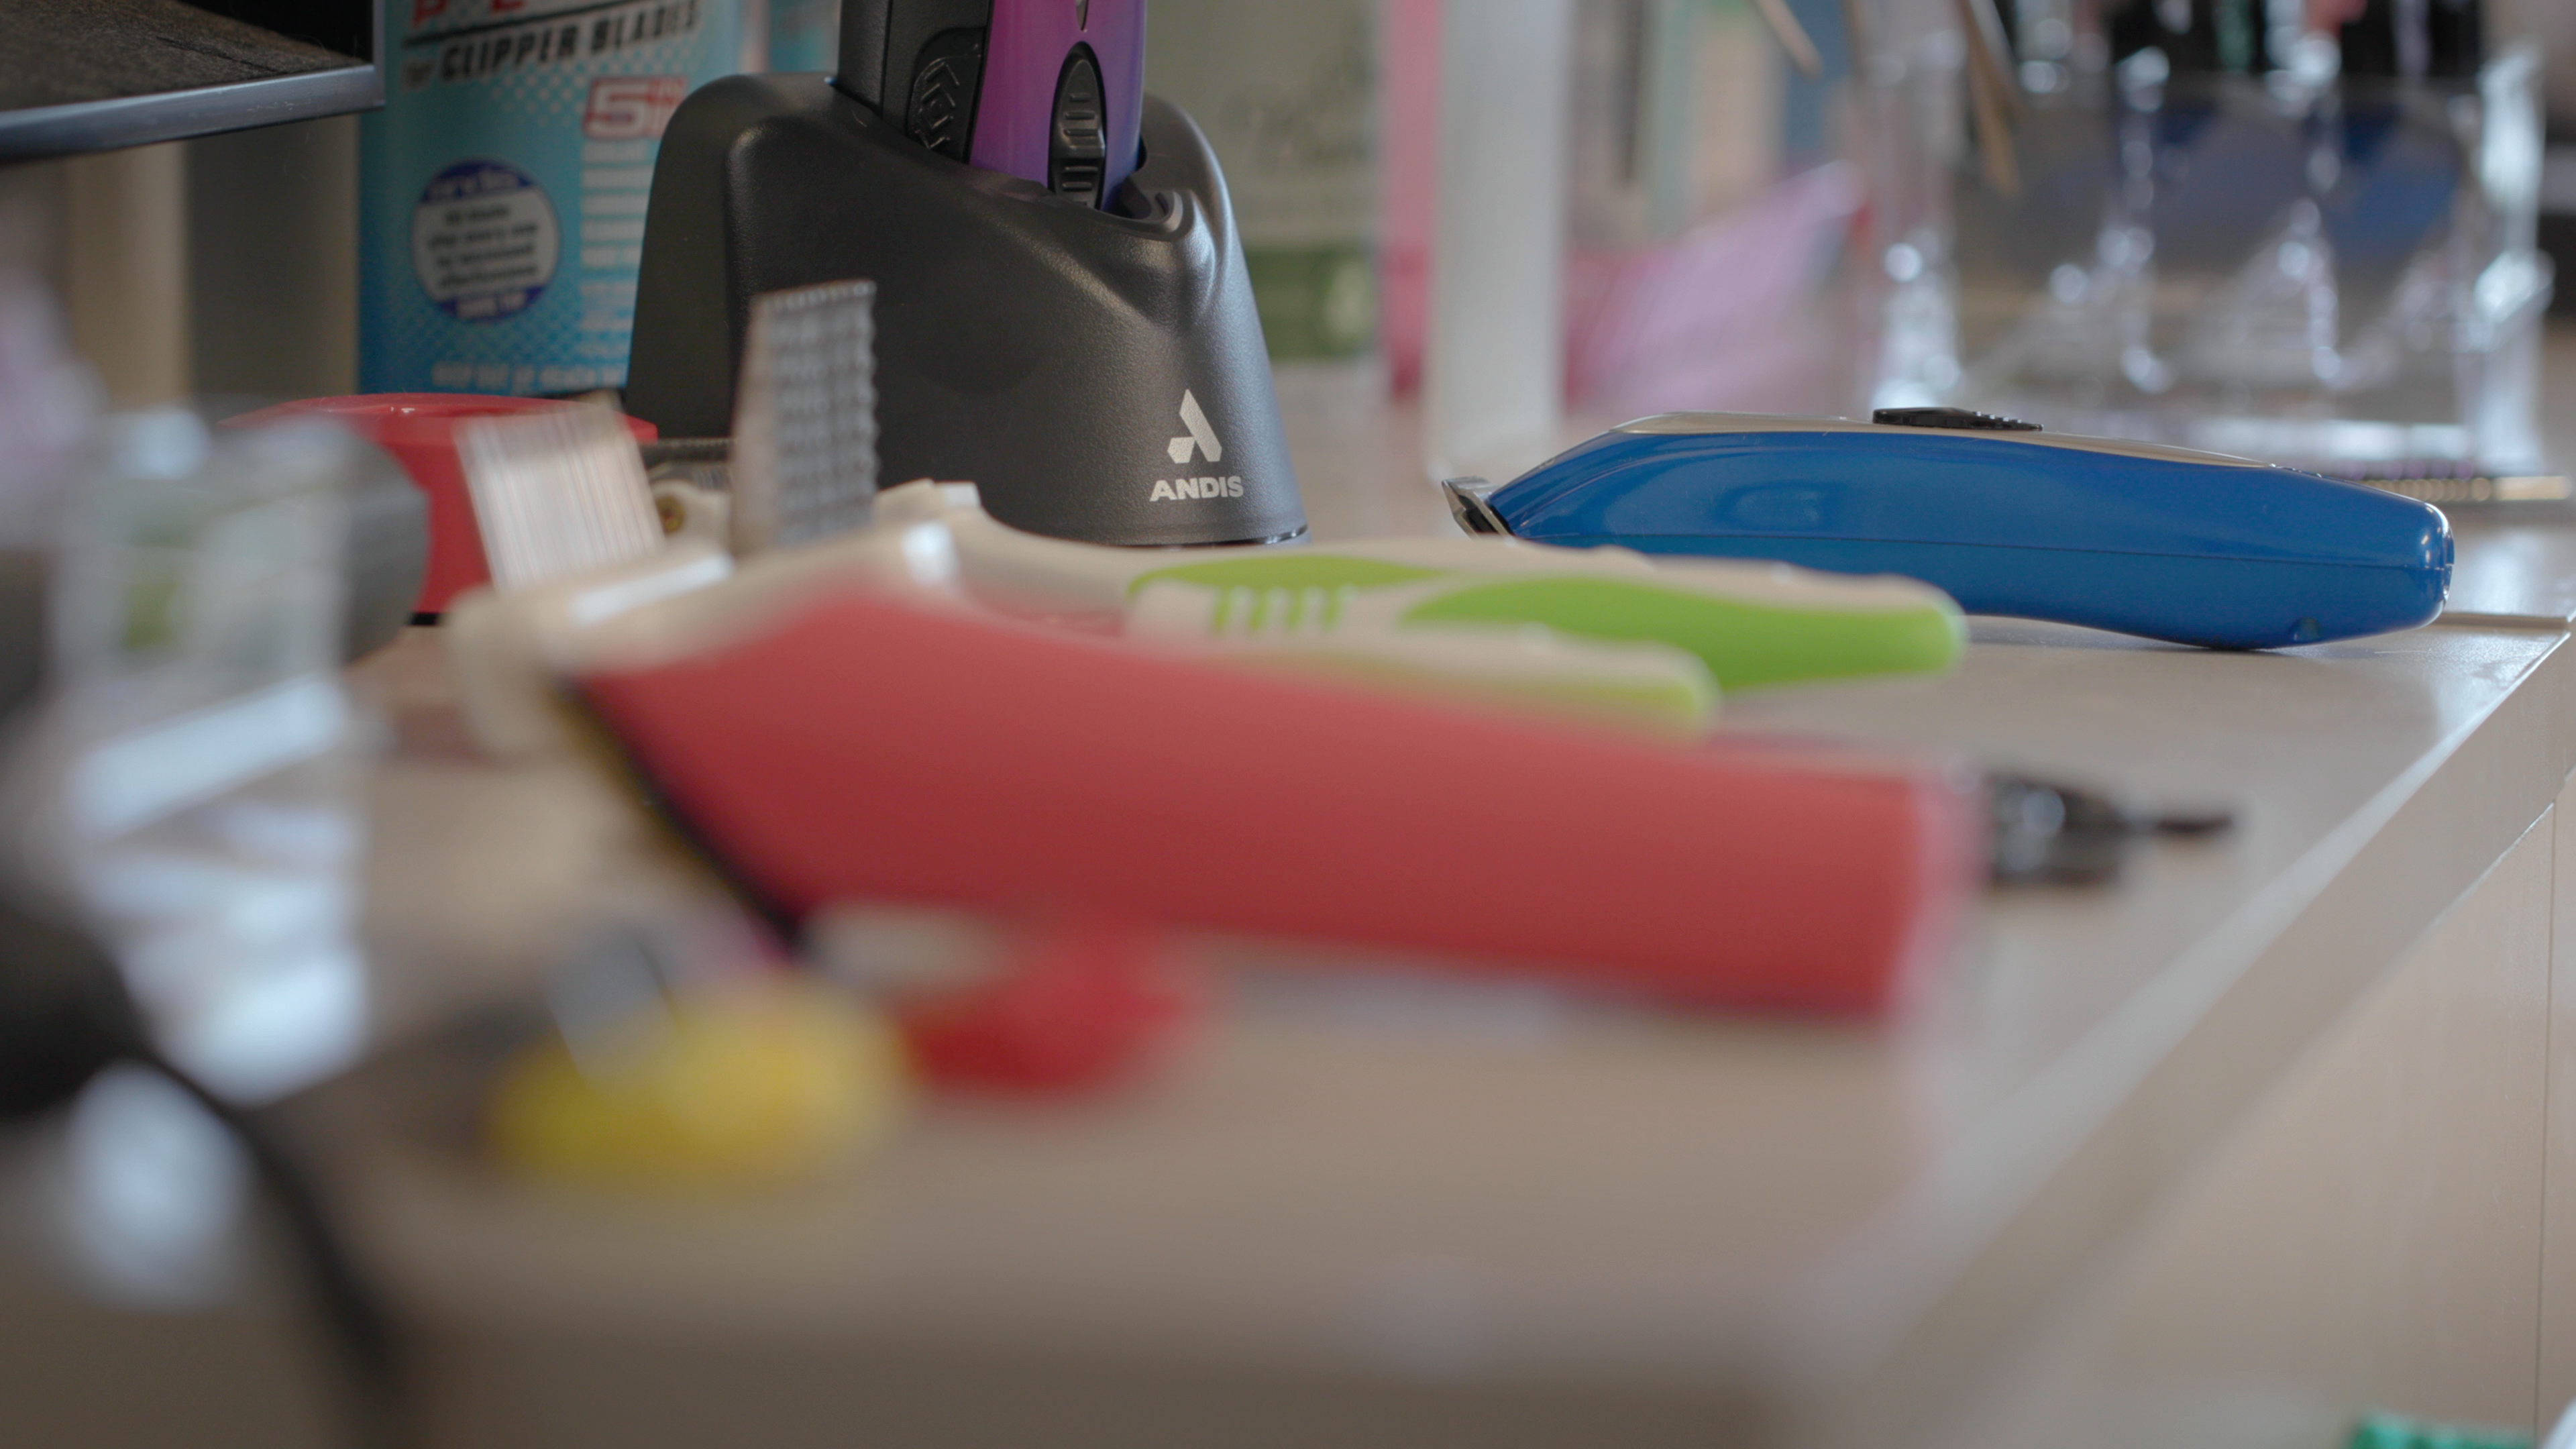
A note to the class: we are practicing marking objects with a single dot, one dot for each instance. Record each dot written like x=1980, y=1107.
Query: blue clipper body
x=2191, y=547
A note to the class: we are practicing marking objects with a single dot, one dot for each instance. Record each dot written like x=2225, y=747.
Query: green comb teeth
x=1764, y=628
x=1746, y=645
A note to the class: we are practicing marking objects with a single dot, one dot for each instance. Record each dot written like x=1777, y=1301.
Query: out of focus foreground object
x=2245, y=237
x=385, y=560
x=762, y=1083
x=558, y=493
x=68, y=1028
x=167, y=796
x=1021, y=767
x=1067, y=1006
x=196, y=754
x=420, y=431
x=94, y=75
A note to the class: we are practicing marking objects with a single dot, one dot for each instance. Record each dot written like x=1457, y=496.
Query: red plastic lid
x=413, y=419
x=419, y=430
x=1085, y=1004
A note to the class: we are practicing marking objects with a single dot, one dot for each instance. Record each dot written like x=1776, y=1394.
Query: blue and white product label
x=505, y=185
x=484, y=240
x=804, y=35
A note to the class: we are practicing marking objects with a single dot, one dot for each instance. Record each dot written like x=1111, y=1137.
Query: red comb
x=865, y=749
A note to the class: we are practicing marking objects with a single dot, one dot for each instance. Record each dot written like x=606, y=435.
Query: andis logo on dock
x=1201, y=436
x=1200, y=439
x=1177, y=488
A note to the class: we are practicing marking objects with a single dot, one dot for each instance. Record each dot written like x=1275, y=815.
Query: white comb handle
x=557, y=493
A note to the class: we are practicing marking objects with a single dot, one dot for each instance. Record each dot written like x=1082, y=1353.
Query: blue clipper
x=2191, y=547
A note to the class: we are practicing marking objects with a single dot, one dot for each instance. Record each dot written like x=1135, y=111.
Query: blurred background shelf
x=79, y=76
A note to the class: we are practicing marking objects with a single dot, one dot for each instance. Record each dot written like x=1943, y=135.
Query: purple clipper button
x=1064, y=84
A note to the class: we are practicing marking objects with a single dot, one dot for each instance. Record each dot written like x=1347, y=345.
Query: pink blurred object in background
x=1409, y=184
x=1717, y=319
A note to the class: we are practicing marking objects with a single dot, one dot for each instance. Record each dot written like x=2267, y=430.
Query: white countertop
x=1500, y=1205
x=1387, y=1208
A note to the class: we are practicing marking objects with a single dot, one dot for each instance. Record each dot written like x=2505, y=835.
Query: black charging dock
x=1098, y=372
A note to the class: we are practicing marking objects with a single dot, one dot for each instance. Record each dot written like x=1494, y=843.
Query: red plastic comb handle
x=868, y=750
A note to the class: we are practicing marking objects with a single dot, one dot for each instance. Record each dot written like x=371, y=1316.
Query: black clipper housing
x=1099, y=373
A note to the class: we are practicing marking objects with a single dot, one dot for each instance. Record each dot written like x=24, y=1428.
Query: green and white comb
x=1749, y=624
x=1649, y=687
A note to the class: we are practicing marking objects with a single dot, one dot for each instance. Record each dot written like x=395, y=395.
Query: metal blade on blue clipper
x=805, y=421
x=557, y=493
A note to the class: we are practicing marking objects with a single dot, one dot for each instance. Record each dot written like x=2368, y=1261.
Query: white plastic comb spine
x=558, y=493
x=805, y=421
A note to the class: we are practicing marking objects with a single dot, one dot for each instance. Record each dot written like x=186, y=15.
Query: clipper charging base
x=1097, y=370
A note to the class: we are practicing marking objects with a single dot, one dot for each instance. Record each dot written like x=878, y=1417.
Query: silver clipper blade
x=1467, y=504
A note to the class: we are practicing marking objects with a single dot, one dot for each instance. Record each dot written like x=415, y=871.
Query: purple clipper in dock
x=1047, y=90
